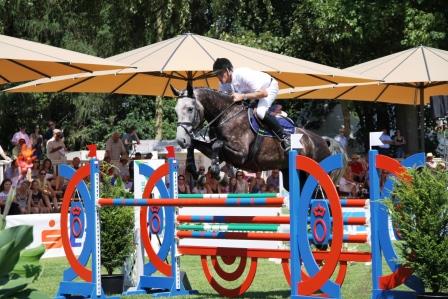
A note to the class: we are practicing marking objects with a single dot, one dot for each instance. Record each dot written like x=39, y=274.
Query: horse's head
x=190, y=115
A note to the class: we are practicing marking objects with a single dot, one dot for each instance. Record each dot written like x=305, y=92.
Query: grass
x=269, y=281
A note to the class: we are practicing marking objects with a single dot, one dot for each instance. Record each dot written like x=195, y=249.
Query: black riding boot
x=271, y=122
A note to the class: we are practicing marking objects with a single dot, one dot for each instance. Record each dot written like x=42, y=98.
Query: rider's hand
x=237, y=97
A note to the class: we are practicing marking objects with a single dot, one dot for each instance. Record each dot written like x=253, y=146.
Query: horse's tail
x=336, y=148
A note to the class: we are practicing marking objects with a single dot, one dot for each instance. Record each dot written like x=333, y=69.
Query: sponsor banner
x=46, y=231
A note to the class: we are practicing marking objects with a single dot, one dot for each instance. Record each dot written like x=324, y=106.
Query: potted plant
x=419, y=210
x=117, y=234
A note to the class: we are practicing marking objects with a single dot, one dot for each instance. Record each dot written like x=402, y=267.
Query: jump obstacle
x=314, y=223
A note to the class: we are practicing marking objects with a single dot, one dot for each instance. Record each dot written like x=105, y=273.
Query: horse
x=231, y=137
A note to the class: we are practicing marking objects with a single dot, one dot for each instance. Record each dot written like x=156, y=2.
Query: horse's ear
x=190, y=90
x=176, y=92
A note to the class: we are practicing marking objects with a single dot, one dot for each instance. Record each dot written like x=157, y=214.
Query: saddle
x=258, y=128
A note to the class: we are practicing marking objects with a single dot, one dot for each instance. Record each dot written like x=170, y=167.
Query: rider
x=255, y=85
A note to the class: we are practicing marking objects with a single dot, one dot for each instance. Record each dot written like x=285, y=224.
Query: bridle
x=194, y=132
x=189, y=126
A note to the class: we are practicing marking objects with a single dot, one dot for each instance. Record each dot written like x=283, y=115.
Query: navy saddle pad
x=287, y=124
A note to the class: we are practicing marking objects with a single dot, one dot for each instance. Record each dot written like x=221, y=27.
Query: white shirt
x=384, y=138
x=19, y=135
x=115, y=149
x=342, y=140
x=245, y=80
x=57, y=155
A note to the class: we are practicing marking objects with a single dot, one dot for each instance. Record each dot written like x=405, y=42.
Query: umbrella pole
x=422, y=119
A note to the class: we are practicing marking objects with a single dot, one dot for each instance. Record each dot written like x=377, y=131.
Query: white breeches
x=265, y=103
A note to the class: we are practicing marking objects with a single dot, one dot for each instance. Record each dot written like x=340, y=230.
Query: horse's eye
x=190, y=109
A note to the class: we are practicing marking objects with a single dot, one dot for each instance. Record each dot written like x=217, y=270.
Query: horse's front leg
x=190, y=163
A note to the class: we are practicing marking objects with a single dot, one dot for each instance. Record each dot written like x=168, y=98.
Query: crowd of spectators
x=233, y=182
x=38, y=188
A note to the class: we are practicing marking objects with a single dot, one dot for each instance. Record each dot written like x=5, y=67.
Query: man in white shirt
x=56, y=147
x=342, y=139
x=115, y=147
x=21, y=134
x=3, y=154
x=387, y=141
x=248, y=84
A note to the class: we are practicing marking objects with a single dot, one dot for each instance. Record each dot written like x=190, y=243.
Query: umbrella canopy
x=23, y=60
x=190, y=57
x=409, y=77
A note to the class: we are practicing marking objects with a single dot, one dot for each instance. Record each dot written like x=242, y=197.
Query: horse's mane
x=212, y=95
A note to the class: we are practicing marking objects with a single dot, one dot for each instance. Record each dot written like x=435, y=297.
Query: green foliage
x=19, y=267
x=423, y=28
x=421, y=214
x=117, y=227
x=338, y=33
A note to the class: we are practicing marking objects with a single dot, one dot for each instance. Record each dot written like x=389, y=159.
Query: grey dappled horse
x=231, y=135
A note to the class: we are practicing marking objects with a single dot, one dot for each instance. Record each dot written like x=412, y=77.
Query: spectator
x=430, y=161
x=3, y=155
x=272, y=189
x=251, y=183
x=347, y=185
x=193, y=176
x=22, y=196
x=35, y=169
x=5, y=187
x=257, y=186
x=229, y=170
x=342, y=139
x=47, y=166
x=56, y=147
x=259, y=179
x=358, y=168
x=183, y=188
x=199, y=188
x=38, y=201
x=241, y=184
x=123, y=168
x=274, y=180
x=387, y=141
x=18, y=148
x=264, y=188
x=130, y=138
x=224, y=186
x=212, y=185
x=49, y=132
x=232, y=185
x=115, y=147
x=76, y=163
x=13, y=173
x=45, y=184
x=21, y=134
x=37, y=143
x=399, y=143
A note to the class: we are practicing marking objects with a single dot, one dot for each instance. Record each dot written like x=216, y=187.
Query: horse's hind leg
x=216, y=153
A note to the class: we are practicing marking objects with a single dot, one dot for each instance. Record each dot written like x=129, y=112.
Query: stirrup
x=285, y=143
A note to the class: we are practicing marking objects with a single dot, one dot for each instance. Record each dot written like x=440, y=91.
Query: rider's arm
x=250, y=96
x=255, y=82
